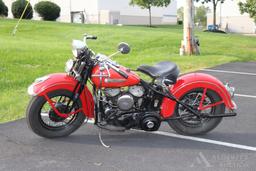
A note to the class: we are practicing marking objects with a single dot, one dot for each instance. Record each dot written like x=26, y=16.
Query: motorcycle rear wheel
x=190, y=124
x=46, y=123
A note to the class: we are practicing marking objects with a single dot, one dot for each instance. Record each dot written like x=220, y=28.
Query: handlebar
x=91, y=37
x=108, y=63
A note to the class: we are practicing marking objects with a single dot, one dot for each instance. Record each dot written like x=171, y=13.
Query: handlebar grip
x=92, y=37
x=122, y=73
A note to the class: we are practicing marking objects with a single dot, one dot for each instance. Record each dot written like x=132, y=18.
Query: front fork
x=63, y=115
x=80, y=85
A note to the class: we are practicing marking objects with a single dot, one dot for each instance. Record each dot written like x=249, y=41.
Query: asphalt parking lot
x=231, y=146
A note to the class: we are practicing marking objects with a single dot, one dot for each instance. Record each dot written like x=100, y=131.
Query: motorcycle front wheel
x=190, y=124
x=46, y=123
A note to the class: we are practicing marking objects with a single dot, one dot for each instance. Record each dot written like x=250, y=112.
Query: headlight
x=77, y=52
x=78, y=48
x=69, y=65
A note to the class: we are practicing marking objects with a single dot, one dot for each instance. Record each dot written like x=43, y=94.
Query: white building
x=109, y=12
x=231, y=20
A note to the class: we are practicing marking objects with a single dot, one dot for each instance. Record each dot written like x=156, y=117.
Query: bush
x=180, y=22
x=18, y=7
x=3, y=9
x=48, y=10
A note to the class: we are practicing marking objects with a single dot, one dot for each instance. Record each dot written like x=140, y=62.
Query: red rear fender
x=62, y=81
x=192, y=81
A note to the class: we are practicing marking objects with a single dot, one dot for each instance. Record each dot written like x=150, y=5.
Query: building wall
x=231, y=20
x=110, y=11
x=238, y=24
x=134, y=15
x=128, y=10
x=235, y=24
x=114, y=17
x=140, y=20
x=89, y=8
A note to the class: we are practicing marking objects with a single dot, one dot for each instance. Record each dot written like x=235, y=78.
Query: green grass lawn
x=41, y=48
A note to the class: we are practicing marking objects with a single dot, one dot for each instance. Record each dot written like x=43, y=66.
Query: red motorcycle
x=119, y=99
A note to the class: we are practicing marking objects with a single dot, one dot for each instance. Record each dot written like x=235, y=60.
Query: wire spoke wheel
x=50, y=119
x=190, y=124
x=45, y=122
x=193, y=99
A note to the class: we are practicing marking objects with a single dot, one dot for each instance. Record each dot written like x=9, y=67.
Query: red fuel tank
x=115, y=80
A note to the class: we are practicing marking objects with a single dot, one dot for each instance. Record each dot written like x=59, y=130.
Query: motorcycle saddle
x=165, y=70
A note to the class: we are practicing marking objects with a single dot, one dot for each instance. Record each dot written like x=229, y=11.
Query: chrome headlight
x=69, y=65
x=78, y=48
x=77, y=53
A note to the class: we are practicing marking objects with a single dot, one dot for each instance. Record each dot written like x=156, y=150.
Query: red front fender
x=192, y=81
x=63, y=81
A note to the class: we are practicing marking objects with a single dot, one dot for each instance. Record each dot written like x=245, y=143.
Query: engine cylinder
x=125, y=102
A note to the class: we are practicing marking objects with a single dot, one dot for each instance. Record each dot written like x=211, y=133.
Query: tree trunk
x=150, y=20
x=214, y=14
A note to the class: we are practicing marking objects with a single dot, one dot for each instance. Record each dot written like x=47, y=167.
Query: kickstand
x=101, y=141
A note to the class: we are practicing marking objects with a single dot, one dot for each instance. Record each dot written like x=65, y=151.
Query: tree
x=3, y=9
x=180, y=13
x=214, y=5
x=148, y=4
x=248, y=7
x=18, y=7
x=201, y=15
x=48, y=10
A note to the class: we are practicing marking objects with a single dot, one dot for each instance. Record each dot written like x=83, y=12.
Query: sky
x=181, y=3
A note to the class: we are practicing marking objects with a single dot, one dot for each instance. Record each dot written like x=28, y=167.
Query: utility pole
x=189, y=45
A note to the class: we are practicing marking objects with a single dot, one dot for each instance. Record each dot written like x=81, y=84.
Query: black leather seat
x=166, y=70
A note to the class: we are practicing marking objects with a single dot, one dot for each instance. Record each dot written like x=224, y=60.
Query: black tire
x=37, y=125
x=203, y=126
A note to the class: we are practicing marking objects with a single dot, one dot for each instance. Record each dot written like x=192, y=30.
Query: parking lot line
x=221, y=143
x=244, y=95
x=229, y=72
x=203, y=140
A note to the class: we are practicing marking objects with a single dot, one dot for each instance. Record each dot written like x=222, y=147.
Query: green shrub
x=48, y=10
x=3, y=9
x=18, y=7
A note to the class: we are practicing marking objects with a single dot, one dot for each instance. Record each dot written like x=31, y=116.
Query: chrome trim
x=231, y=90
x=95, y=75
x=109, y=80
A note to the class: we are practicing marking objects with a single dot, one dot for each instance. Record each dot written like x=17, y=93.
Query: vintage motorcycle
x=119, y=99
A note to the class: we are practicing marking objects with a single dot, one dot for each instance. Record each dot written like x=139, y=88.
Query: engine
x=126, y=106
x=125, y=100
